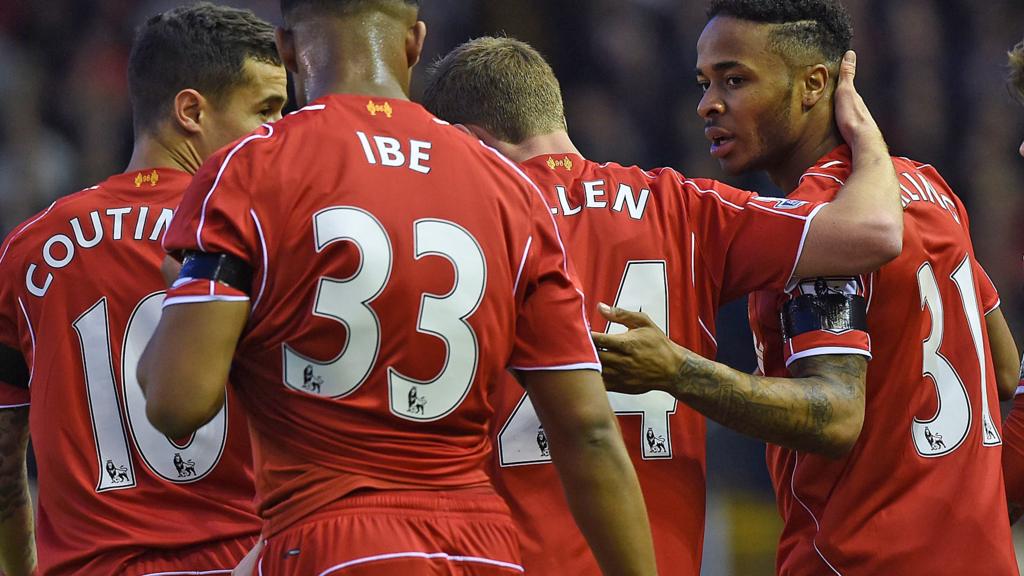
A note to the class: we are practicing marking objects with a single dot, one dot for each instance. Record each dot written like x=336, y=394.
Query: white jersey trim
x=6, y=406
x=188, y=573
x=1019, y=391
x=522, y=264
x=175, y=300
x=827, y=351
x=32, y=335
x=424, y=556
x=817, y=527
x=800, y=249
x=829, y=176
x=220, y=174
x=995, y=307
x=579, y=366
x=713, y=193
x=266, y=271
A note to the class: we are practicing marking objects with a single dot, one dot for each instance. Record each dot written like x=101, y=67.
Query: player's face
x=748, y=104
x=247, y=106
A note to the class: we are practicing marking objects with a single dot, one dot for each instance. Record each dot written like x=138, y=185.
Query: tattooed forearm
x=17, y=551
x=820, y=410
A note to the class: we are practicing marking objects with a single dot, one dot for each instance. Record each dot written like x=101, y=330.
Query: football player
x=80, y=294
x=373, y=271
x=871, y=469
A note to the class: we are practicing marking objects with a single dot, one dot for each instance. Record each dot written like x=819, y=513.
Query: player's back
x=82, y=284
x=921, y=490
x=391, y=278
x=673, y=248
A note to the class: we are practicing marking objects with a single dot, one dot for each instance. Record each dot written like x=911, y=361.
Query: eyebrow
x=274, y=99
x=719, y=67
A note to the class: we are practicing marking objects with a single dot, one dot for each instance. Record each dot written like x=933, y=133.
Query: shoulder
x=42, y=224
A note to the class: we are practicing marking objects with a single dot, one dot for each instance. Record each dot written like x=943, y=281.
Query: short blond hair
x=1016, y=77
x=502, y=85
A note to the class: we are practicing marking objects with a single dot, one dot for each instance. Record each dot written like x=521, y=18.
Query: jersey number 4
x=174, y=462
x=948, y=428
x=644, y=287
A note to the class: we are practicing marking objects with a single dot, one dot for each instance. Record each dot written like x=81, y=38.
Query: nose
x=710, y=104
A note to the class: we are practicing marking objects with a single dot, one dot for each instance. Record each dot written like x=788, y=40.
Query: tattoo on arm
x=819, y=410
x=17, y=550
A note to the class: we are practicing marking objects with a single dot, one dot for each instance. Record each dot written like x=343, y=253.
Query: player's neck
x=353, y=59
x=803, y=155
x=151, y=152
x=556, y=143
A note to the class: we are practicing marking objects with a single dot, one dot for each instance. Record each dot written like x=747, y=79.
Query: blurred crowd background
x=930, y=70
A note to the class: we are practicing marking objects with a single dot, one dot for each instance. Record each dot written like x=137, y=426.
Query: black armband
x=223, y=268
x=831, y=312
x=13, y=369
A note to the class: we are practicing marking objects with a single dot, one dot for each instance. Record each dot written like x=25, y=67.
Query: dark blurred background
x=931, y=71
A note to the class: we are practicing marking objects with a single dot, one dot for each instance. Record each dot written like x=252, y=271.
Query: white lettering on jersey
x=625, y=198
x=387, y=151
x=59, y=257
x=920, y=189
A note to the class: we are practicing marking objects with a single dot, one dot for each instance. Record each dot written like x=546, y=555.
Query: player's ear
x=188, y=110
x=286, y=48
x=414, y=39
x=815, y=84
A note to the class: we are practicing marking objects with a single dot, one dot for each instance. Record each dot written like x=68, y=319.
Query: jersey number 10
x=177, y=463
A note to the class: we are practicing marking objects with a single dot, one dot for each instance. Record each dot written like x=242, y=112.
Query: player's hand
x=247, y=567
x=853, y=118
x=639, y=360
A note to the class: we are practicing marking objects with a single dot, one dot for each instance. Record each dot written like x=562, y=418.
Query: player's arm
x=820, y=409
x=1004, y=354
x=185, y=366
x=862, y=228
x=597, y=475
x=17, y=533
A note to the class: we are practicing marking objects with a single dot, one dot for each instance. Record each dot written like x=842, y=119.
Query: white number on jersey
x=946, y=430
x=172, y=462
x=348, y=302
x=644, y=287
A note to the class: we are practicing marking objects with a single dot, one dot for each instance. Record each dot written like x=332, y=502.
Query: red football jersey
x=396, y=278
x=921, y=491
x=80, y=295
x=675, y=249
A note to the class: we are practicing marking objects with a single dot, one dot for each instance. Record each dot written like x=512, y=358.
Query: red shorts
x=400, y=533
x=207, y=559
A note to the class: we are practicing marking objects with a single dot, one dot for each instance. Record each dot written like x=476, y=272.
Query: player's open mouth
x=721, y=146
x=721, y=140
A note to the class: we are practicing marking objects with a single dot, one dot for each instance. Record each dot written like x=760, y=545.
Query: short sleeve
x=827, y=342
x=13, y=364
x=989, y=294
x=216, y=216
x=552, y=331
x=750, y=242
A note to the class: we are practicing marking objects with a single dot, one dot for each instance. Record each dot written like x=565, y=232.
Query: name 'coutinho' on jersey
x=60, y=249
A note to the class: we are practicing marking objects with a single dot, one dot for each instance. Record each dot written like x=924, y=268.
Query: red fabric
x=320, y=434
x=90, y=518
x=401, y=533
x=685, y=247
x=206, y=559
x=896, y=505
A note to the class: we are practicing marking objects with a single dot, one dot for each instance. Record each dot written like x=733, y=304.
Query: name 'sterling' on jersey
x=114, y=224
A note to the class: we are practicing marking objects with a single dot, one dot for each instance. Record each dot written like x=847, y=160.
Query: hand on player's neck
x=357, y=55
x=551, y=143
x=152, y=151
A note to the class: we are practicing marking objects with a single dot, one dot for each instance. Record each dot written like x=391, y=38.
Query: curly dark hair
x=821, y=26
x=201, y=46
